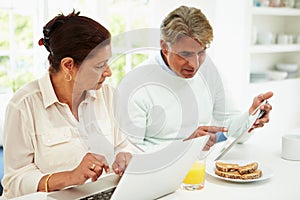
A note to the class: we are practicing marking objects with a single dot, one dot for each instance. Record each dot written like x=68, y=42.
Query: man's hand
x=207, y=130
x=266, y=107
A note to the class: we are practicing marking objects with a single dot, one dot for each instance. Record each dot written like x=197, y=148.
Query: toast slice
x=254, y=175
x=231, y=174
x=247, y=169
x=226, y=167
x=234, y=171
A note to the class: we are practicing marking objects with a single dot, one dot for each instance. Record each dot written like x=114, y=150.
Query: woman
x=58, y=130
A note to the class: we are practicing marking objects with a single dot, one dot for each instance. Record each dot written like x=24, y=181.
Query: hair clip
x=41, y=42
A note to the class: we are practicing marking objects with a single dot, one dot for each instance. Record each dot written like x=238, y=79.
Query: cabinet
x=274, y=38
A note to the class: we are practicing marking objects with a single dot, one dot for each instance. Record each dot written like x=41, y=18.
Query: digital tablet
x=256, y=114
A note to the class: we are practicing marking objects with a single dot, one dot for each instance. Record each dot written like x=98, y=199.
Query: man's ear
x=67, y=64
x=164, y=47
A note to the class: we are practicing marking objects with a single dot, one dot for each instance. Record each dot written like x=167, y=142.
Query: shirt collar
x=159, y=59
x=91, y=94
x=48, y=94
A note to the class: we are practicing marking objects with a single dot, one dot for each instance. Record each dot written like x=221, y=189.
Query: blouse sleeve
x=21, y=176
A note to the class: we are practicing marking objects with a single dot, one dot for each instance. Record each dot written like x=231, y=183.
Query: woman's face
x=94, y=70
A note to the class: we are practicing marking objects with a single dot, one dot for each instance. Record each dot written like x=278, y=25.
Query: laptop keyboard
x=105, y=195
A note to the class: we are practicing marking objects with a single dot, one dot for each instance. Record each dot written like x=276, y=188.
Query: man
x=178, y=94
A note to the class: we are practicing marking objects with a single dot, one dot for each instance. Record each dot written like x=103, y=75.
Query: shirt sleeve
x=122, y=143
x=226, y=109
x=120, y=136
x=131, y=117
x=21, y=176
x=237, y=124
x=132, y=128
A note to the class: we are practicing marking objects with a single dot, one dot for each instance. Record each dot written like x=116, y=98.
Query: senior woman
x=59, y=129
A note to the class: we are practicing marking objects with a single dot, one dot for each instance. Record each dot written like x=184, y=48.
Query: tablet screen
x=257, y=113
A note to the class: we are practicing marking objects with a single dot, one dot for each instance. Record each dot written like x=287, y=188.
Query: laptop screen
x=148, y=175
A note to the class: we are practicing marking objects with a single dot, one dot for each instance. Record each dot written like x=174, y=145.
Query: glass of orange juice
x=195, y=178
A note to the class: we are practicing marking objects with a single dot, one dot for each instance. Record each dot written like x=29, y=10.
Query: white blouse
x=42, y=136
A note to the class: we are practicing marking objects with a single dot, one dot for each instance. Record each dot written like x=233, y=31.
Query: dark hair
x=72, y=36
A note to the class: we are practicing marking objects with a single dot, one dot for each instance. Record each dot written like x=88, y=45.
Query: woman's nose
x=107, y=72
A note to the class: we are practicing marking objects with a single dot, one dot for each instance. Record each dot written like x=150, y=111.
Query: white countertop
x=284, y=184
x=266, y=150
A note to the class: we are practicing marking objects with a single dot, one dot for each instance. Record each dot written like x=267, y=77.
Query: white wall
x=230, y=45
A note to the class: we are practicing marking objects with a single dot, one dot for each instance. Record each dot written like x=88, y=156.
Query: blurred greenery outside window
x=17, y=53
x=16, y=50
x=121, y=19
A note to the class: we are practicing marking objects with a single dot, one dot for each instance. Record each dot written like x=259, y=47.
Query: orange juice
x=194, y=180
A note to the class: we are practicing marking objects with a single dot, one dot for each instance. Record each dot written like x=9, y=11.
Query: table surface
x=284, y=184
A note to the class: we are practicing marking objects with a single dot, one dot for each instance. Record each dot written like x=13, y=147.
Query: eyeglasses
x=188, y=54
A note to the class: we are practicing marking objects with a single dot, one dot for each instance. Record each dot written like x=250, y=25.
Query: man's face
x=184, y=57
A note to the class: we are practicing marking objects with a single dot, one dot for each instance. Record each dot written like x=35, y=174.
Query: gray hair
x=186, y=22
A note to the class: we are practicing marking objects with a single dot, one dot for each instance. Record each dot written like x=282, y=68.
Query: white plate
x=266, y=172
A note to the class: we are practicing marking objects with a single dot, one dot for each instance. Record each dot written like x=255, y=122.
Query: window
x=22, y=60
x=118, y=16
x=125, y=16
x=16, y=45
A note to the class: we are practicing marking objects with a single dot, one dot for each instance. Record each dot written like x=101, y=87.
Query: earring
x=68, y=77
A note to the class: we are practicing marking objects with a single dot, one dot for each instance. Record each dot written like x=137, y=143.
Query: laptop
x=148, y=175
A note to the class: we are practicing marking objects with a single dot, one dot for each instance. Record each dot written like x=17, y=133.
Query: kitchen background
x=256, y=46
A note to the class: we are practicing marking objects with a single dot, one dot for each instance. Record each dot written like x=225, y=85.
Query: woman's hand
x=91, y=167
x=207, y=130
x=121, y=162
x=266, y=107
